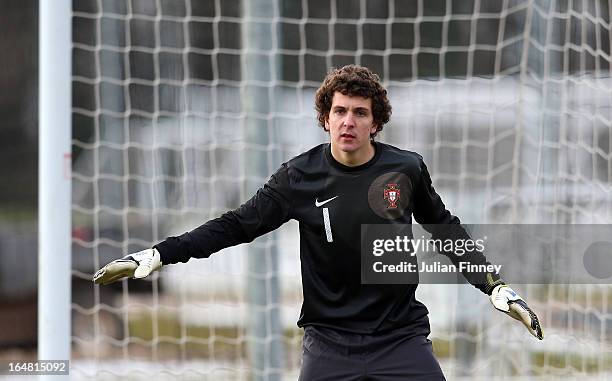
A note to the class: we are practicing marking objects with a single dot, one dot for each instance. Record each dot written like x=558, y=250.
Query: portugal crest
x=392, y=195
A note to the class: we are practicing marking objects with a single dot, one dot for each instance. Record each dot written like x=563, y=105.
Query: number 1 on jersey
x=328, y=232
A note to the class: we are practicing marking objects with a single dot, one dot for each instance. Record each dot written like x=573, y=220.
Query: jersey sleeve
x=430, y=211
x=268, y=209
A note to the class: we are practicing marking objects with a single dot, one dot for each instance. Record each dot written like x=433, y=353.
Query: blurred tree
x=18, y=106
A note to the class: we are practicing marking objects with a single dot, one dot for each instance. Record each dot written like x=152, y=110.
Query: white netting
x=181, y=108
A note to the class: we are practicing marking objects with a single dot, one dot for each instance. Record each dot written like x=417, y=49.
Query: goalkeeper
x=363, y=330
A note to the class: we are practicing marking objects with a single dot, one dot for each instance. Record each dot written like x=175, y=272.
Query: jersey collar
x=344, y=168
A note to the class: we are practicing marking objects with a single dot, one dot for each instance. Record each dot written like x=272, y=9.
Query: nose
x=349, y=120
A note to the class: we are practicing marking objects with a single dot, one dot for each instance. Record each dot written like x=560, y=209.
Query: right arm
x=264, y=212
x=267, y=210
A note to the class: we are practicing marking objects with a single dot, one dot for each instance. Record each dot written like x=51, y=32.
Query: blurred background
x=182, y=109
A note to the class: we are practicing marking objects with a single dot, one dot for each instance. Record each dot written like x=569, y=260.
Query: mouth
x=347, y=136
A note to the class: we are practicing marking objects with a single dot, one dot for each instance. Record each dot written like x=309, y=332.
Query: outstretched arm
x=268, y=209
x=430, y=211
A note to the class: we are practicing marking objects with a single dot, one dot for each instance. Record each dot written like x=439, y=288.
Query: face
x=350, y=123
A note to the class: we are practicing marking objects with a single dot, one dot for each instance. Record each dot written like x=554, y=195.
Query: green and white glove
x=506, y=300
x=137, y=265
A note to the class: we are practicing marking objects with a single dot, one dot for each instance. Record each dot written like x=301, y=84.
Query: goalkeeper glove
x=137, y=265
x=506, y=300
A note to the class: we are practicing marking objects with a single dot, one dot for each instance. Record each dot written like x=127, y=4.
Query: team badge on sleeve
x=392, y=195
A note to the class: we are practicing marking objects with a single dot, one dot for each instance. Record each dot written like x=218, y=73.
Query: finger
x=98, y=275
x=115, y=271
x=520, y=311
x=538, y=331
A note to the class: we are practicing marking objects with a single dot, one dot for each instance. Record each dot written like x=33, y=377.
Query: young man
x=352, y=330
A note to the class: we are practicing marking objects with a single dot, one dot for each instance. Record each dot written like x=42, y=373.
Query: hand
x=506, y=300
x=137, y=265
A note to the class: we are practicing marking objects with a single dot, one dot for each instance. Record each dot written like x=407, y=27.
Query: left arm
x=430, y=210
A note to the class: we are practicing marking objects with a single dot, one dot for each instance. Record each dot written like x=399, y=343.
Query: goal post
x=54, y=189
x=264, y=326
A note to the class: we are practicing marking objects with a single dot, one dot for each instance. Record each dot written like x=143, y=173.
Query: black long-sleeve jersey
x=331, y=202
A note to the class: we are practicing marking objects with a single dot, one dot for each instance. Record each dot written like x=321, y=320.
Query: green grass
x=170, y=340
x=11, y=215
x=192, y=341
x=563, y=361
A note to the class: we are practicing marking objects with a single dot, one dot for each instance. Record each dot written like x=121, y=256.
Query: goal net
x=181, y=109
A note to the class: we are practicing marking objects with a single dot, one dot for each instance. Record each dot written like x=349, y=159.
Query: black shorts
x=330, y=354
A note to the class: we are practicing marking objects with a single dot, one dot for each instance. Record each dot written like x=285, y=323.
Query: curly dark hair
x=353, y=80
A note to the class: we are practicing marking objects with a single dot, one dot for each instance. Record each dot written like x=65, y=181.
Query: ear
x=326, y=127
x=373, y=129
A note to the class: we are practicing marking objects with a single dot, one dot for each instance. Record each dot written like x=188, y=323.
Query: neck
x=354, y=158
